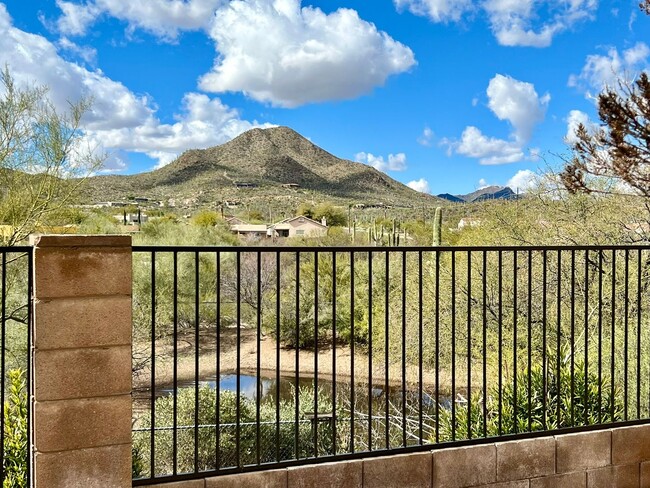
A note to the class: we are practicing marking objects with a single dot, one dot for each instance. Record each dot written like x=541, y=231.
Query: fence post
x=82, y=361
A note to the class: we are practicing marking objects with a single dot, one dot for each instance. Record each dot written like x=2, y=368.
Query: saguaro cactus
x=437, y=227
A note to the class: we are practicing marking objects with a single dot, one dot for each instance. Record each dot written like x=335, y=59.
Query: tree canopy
x=43, y=160
x=618, y=150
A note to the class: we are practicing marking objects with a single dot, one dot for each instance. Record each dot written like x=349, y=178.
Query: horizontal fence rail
x=15, y=363
x=249, y=358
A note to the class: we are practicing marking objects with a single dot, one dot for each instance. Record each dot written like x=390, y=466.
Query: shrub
x=228, y=455
x=573, y=410
x=15, y=432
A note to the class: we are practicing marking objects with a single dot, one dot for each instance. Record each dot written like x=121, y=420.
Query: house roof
x=249, y=228
x=291, y=219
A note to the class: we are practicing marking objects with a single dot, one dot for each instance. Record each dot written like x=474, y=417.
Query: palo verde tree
x=43, y=161
x=617, y=151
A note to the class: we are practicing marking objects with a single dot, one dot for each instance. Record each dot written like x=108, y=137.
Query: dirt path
x=268, y=351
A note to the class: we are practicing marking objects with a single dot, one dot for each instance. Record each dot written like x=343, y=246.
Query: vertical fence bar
x=334, y=399
x=612, y=335
x=352, y=341
x=530, y=335
x=217, y=353
x=420, y=350
x=626, y=311
x=469, y=344
x=638, y=336
x=238, y=357
x=544, y=359
x=30, y=364
x=558, y=344
x=437, y=354
x=370, y=376
x=3, y=368
x=514, y=340
x=386, y=350
x=484, y=343
x=175, y=368
x=500, y=344
x=258, y=358
x=586, y=390
x=453, y=345
x=316, y=352
x=573, y=323
x=404, y=348
x=600, y=335
x=196, y=362
x=296, y=417
x=152, y=448
x=277, y=354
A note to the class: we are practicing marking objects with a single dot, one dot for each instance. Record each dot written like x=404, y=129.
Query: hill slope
x=267, y=160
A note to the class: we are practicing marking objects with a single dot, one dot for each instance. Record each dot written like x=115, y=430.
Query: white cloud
x=420, y=185
x=523, y=181
x=437, y=10
x=119, y=119
x=396, y=162
x=513, y=22
x=575, y=118
x=482, y=183
x=516, y=102
x=164, y=18
x=426, y=137
x=601, y=71
x=297, y=55
x=87, y=53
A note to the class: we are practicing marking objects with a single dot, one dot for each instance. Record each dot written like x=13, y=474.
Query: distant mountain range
x=483, y=194
x=260, y=164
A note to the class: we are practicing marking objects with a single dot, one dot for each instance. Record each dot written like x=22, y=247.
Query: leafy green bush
x=15, y=432
x=573, y=410
x=270, y=446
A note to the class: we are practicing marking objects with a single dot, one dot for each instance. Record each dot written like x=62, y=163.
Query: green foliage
x=231, y=411
x=206, y=218
x=40, y=153
x=592, y=402
x=15, y=432
x=335, y=216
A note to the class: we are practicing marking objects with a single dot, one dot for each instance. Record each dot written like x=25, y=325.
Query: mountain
x=450, y=197
x=487, y=193
x=260, y=163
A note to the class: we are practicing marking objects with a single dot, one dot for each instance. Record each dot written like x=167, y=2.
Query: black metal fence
x=15, y=364
x=249, y=358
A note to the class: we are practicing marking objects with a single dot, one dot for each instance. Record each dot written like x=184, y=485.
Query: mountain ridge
x=269, y=159
x=493, y=192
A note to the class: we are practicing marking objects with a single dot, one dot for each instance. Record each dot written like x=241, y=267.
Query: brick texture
x=576, y=452
x=405, y=471
x=529, y=458
x=348, y=474
x=467, y=466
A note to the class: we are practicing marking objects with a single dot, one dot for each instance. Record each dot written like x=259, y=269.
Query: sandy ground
x=268, y=351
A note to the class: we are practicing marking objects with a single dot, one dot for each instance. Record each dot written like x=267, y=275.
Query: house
x=244, y=229
x=250, y=230
x=298, y=227
x=469, y=222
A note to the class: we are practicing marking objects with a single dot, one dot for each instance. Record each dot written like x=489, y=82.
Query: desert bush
x=590, y=401
x=15, y=432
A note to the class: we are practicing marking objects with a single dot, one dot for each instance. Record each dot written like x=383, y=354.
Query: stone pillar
x=82, y=361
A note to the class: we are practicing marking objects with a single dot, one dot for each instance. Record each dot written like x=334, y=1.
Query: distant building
x=132, y=218
x=300, y=226
x=244, y=184
x=257, y=231
x=469, y=222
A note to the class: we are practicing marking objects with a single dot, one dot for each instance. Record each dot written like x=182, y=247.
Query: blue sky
x=443, y=95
